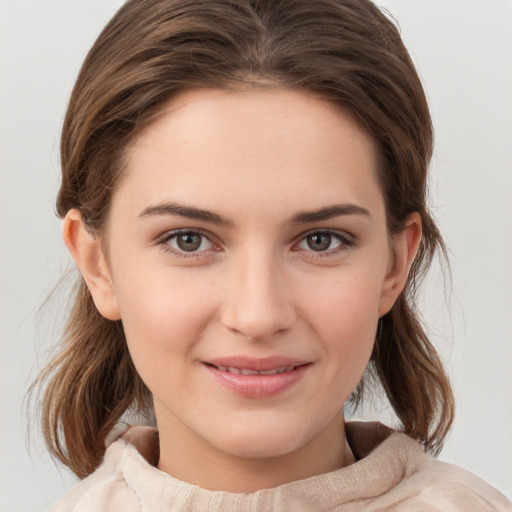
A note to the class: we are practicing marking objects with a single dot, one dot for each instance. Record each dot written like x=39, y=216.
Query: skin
x=254, y=287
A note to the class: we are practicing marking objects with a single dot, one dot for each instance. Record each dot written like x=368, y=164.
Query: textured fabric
x=396, y=476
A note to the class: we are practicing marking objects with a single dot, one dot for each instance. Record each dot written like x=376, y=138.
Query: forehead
x=242, y=146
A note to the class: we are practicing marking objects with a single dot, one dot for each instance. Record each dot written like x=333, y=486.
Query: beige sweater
x=396, y=476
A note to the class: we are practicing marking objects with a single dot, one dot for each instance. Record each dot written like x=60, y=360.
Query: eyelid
x=164, y=238
x=347, y=241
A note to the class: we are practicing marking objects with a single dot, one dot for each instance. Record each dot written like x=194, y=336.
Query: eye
x=188, y=241
x=324, y=241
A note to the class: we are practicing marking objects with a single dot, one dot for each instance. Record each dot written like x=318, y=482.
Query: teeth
x=243, y=371
x=277, y=370
x=247, y=371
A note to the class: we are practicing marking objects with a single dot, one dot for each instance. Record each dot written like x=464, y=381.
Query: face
x=249, y=261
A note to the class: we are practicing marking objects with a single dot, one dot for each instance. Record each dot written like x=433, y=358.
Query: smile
x=257, y=378
x=248, y=371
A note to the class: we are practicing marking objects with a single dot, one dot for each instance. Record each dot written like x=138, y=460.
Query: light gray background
x=463, y=49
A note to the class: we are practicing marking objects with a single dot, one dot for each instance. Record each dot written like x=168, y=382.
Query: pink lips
x=257, y=378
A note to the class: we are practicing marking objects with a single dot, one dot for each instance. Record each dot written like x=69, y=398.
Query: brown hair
x=345, y=51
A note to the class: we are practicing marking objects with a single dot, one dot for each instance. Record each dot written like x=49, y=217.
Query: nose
x=257, y=302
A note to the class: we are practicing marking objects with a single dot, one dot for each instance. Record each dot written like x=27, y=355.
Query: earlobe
x=405, y=247
x=87, y=252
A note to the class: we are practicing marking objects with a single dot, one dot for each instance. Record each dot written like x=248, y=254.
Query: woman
x=243, y=190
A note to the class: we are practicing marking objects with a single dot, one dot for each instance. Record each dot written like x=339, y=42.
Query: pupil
x=189, y=242
x=319, y=241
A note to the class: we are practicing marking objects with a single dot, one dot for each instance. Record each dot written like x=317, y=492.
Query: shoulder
x=437, y=486
x=105, y=489
x=446, y=482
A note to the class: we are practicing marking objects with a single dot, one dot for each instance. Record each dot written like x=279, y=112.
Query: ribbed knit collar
x=389, y=463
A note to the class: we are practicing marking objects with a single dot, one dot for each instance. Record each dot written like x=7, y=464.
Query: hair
x=345, y=51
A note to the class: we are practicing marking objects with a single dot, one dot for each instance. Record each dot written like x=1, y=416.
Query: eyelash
x=167, y=237
x=347, y=242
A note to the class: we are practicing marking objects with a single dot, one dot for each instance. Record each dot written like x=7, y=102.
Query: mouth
x=249, y=371
x=257, y=378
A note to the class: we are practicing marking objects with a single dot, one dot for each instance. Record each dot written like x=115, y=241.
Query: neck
x=189, y=458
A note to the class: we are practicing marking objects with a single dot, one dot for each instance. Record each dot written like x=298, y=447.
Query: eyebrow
x=329, y=212
x=304, y=217
x=189, y=212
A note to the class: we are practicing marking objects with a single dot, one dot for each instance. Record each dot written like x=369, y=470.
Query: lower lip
x=258, y=386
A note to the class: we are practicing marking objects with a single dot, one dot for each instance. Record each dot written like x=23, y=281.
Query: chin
x=261, y=442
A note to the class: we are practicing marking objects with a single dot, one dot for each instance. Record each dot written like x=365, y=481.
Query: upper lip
x=256, y=364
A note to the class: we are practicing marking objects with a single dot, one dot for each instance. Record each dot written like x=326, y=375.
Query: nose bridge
x=257, y=304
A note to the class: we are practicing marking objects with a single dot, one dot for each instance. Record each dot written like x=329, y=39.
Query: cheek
x=346, y=304
x=344, y=315
x=163, y=314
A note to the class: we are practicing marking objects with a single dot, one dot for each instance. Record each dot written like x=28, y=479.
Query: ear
x=88, y=254
x=405, y=247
